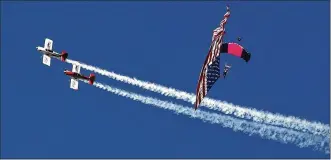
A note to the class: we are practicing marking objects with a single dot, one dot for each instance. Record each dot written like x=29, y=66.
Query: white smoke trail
x=225, y=107
x=252, y=128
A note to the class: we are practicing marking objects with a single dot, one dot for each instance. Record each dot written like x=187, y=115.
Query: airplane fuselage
x=75, y=75
x=48, y=52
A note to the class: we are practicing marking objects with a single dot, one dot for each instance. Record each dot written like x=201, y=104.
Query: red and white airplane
x=48, y=52
x=75, y=75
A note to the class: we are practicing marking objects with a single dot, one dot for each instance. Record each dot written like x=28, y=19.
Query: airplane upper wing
x=47, y=60
x=75, y=68
x=48, y=44
x=74, y=84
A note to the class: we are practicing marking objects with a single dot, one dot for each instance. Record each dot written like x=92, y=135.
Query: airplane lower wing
x=47, y=60
x=74, y=84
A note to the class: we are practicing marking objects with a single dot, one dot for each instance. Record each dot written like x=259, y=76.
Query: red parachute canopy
x=236, y=50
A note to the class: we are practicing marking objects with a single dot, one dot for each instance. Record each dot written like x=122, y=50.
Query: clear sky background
x=165, y=43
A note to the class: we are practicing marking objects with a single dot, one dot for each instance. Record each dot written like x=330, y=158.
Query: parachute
x=236, y=50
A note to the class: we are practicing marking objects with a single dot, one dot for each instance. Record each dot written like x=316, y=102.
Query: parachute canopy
x=235, y=50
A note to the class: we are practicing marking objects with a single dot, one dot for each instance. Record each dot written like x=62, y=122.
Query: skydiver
x=226, y=70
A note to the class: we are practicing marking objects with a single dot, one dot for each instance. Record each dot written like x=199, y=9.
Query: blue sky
x=166, y=43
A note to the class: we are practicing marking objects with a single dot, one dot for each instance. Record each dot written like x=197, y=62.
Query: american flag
x=210, y=71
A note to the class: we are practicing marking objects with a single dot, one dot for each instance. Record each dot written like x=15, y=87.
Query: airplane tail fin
x=92, y=79
x=64, y=56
